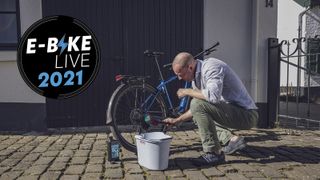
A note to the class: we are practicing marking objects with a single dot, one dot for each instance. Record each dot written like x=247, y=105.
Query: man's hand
x=170, y=121
x=195, y=93
x=181, y=92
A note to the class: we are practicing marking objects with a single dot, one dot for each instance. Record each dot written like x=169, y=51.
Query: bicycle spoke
x=128, y=113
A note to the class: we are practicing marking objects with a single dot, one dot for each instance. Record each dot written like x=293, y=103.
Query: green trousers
x=213, y=121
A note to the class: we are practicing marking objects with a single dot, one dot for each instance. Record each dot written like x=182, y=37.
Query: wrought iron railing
x=297, y=56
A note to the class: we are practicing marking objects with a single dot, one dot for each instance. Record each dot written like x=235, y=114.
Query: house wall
x=242, y=28
x=16, y=98
x=313, y=29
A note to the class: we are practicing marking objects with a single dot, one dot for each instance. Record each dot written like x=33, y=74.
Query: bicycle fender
x=109, y=110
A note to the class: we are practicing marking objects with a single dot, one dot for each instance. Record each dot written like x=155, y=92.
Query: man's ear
x=191, y=68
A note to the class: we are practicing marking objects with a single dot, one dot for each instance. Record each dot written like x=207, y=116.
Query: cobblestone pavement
x=270, y=154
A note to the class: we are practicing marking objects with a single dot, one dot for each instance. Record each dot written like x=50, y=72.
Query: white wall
x=229, y=22
x=289, y=11
x=13, y=88
x=242, y=27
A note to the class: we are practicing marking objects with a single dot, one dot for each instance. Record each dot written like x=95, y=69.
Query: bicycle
x=136, y=106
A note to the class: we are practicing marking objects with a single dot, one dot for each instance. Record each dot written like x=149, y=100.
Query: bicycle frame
x=162, y=88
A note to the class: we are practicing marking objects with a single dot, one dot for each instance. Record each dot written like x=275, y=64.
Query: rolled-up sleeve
x=213, y=80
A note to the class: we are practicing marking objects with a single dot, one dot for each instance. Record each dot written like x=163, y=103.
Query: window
x=9, y=31
x=314, y=54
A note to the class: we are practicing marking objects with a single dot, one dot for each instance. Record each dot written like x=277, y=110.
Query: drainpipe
x=299, y=57
x=300, y=22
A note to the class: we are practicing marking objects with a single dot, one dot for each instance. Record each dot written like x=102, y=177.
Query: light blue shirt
x=218, y=82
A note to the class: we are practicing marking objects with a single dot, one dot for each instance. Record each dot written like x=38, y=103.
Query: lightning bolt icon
x=62, y=44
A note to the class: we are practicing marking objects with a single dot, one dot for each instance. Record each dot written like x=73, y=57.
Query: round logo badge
x=58, y=57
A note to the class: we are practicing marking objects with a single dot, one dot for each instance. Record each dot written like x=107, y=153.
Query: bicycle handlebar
x=205, y=52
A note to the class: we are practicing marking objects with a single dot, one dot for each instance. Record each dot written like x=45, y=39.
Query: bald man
x=220, y=101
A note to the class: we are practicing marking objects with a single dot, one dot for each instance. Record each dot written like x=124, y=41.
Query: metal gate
x=294, y=82
x=124, y=30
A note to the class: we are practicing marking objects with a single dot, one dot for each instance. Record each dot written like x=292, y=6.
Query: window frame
x=13, y=46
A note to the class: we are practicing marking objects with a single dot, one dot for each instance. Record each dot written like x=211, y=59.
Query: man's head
x=184, y=66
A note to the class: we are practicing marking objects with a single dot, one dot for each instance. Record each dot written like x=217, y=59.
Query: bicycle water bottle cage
x=149, y=53
x=129, y=78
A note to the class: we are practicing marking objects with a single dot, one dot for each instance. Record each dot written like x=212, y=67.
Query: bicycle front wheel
x=128, y=111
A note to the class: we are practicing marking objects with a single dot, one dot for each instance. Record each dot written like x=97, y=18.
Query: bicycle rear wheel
x=128, y=111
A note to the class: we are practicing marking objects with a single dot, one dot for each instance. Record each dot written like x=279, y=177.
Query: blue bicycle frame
x=162, y=88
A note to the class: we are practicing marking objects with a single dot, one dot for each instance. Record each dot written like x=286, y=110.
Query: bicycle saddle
x=152, y=53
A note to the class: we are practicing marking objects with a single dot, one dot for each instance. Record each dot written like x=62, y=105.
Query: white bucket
x=153, y=150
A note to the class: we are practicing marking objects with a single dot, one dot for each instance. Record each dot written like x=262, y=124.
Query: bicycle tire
x=125, y=114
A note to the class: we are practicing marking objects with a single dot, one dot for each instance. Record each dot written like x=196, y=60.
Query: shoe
x=234, y=146
x=209, y=159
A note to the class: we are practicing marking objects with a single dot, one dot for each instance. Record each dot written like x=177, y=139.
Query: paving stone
x=94, y=168
x=81, y=153
x=102, y=136
x=56, y=147
x=9, y=162
x=97, y=154
x=110, y=165
x=195, y=175
x=50, y=154
x=134, y=177
x=151, y=172
x=127, y=154
x=15, y=146
x=31, y=157
x=22, y=166
x=70, y=177
x=31, y=177
x=269, y=155
x=100, y=147
x=18, y=155
x=10, y=175
x=236, y=176
x=71, y=147
x=92, y=176
x=62, y=159
x=50, y=175
x=132, y=168
x=75, y=169
x=96, y=160
x=66, y=153
x=43, y=160
x=74, y=142
x=4, y=169
x=271, y=173
x=85, y=146
x=78, y=136
x=6, y=152
x=2, y=158
x=179, y=178
x=213, y=172
x=253, y=175
x=295, y=174
x=57, y=167
x=36, y=170
x=79, y=160
x=113, y=173
x=39, y=149
x=242, y=167
x=174, y=173
x=157, y=177
x=227, y=169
